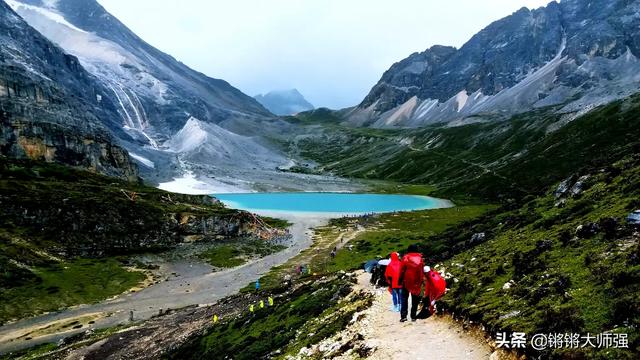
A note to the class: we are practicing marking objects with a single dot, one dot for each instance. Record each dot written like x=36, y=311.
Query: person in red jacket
x=392, y=274
x=412, y=278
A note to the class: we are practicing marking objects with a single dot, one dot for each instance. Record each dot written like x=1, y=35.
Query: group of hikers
x=408, y=277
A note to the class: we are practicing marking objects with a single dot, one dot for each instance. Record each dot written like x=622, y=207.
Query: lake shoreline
x=329, y=204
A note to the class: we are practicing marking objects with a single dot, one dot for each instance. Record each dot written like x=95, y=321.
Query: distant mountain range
x=575, y=53
x=284, y=102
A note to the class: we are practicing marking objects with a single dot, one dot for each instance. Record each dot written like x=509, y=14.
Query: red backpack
x=436, y=285
x=413, y=273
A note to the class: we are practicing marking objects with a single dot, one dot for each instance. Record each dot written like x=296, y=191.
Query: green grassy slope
x=562, y=280
x=314, y=310
x=56, y=285
x=489, y=160
x=395, y=232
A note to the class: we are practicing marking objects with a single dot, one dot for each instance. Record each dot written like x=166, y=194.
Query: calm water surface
x=344, y=203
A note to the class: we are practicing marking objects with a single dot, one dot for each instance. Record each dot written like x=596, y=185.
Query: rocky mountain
x=576, y=53
x=284, y=102
x=50, y=107
x=199, y=141
x=154, y=95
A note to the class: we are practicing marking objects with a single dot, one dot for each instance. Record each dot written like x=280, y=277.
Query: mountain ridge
x=572, y=53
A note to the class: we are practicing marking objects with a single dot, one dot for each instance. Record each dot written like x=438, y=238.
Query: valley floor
x=193, y=283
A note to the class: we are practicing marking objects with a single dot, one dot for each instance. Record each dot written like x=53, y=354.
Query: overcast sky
x=333, y=51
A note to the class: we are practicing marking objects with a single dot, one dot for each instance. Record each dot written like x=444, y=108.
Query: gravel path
x=438, y=337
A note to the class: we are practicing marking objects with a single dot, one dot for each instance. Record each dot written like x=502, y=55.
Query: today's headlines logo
x=520, y=340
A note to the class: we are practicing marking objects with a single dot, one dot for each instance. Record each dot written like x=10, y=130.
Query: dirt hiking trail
x=438, y=337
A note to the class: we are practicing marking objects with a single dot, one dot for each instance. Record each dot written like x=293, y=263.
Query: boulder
x=564, y=186
x=579, y=186
x=587, y=230
x=544, y=245
x=477, y=238
x=609, y=226
x=560, y=203
x=634, y=218
x=508, y=285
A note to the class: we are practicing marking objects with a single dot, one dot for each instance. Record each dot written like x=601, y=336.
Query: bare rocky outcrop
x=51, y=108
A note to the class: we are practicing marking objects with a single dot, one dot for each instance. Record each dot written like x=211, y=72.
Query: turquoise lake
x=339, y=203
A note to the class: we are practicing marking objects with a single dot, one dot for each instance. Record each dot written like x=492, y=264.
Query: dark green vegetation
x=73, y=212
x=238, y=253
x=57, y=285
x=275, y=222
x=564, y=279
x=504, y=159
x=54, y=219
x=395, y=232
x=322, y=116
x=315, y=309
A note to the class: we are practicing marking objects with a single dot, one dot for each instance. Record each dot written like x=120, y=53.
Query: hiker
x=333, y=253
x=412, y=277
x=392, y=273
x=377, y=275
x=435, y=287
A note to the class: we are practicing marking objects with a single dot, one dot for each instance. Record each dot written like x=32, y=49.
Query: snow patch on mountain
x=461, y=99
x=48, y=12
x=403, y=112
x=120, y=70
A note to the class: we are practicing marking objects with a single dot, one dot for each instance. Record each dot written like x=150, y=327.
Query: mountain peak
x=284, y=102
x=564, y=53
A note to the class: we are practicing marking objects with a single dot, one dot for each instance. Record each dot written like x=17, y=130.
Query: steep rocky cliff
x=577, y=53
x=50, y=107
